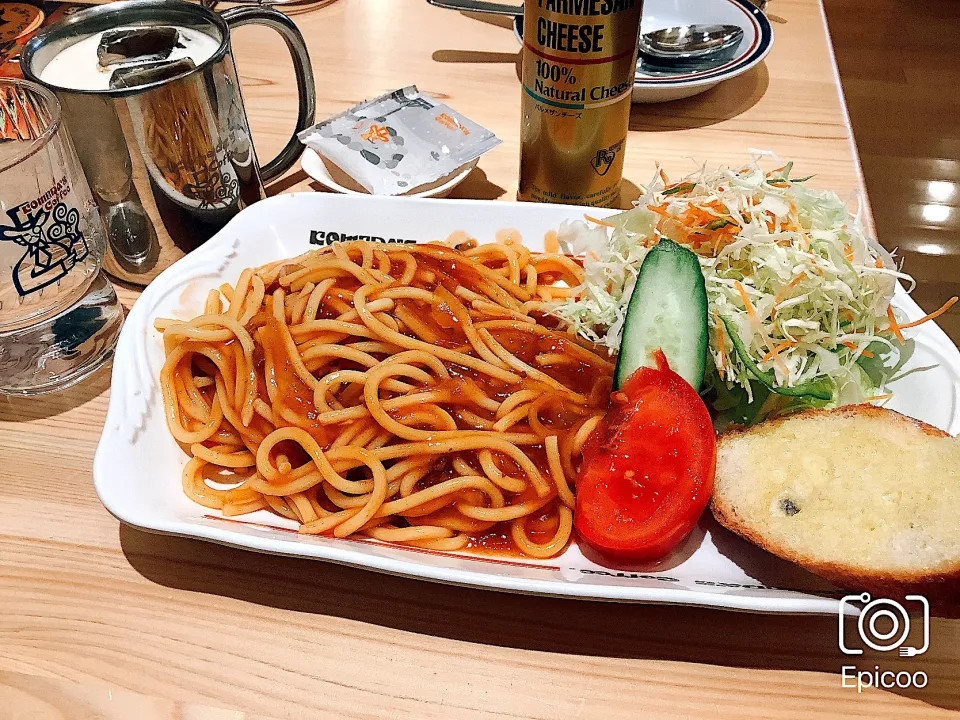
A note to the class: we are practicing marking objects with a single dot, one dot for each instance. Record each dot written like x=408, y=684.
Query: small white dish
x=138, y=464
x=313, y=165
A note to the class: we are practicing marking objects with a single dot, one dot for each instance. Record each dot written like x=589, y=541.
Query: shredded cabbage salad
x=799, y=309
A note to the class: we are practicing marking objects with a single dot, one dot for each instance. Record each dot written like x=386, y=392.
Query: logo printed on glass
x=48, y=229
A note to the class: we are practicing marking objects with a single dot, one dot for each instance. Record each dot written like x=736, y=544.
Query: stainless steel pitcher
x=169, y=162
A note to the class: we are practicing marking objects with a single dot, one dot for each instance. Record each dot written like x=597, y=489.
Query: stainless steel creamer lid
x=47, y=44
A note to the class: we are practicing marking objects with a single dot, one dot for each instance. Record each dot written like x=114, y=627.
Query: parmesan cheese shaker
x=579, y=59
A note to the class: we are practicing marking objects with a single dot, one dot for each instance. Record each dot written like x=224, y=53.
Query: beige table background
x=103, y=621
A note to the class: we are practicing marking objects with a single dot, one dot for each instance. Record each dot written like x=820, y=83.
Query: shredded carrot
x=848, y=315
x=781, y=296
x=661, y=210
x=774, y=353
x=894, y=328
x=718, y=239
x=935, y=314
x=854, y=346
x=701, y=215
x=779, y=349
x=879, y=263
x=746, y=300
x=875, y=398
x=663, y=176
x=719, y=329
x=848, y=252
x=597, y=221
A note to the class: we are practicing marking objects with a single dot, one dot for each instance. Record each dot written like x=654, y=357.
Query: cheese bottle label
x=578, y=63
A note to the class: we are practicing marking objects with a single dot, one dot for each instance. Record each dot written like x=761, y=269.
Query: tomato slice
x=648, y=467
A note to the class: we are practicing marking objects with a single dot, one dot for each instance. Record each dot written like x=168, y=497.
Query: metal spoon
x=689, y=43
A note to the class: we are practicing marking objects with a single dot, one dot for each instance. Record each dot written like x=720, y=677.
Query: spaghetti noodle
x=416, y=394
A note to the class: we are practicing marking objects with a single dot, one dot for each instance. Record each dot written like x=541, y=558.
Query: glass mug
x=59, y=316
x=169, y=157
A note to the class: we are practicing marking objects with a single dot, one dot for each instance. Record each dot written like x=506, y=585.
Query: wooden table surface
x=98, y=620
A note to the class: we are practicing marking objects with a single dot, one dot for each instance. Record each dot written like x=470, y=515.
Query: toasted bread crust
x=942, y=588
x=845, y=411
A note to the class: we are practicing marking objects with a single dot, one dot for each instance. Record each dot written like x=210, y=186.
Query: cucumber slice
x=667, y=310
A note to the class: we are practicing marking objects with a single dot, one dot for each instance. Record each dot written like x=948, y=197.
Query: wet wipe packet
x=398, y=143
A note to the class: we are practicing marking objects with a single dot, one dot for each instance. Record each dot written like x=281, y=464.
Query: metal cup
x=171, y=161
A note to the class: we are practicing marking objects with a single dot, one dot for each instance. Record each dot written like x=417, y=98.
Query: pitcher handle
x=306, y=92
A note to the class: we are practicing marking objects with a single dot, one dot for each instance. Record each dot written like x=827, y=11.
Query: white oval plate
x=138, y=464
x=756, y=43
x=313, y=166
